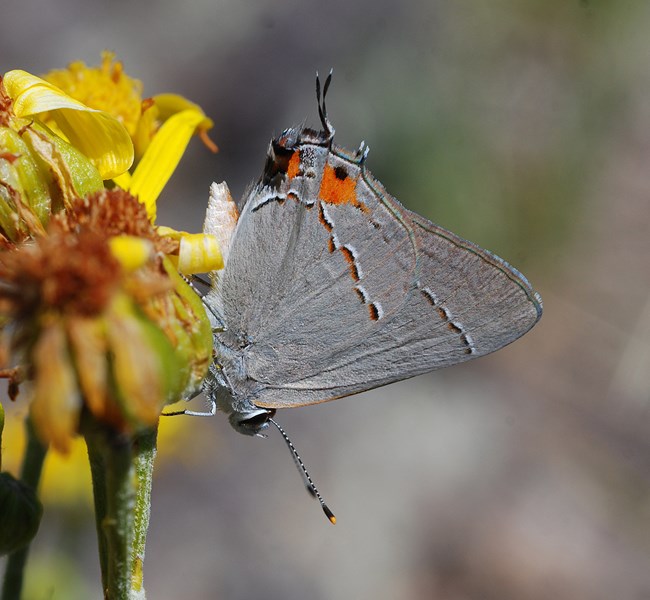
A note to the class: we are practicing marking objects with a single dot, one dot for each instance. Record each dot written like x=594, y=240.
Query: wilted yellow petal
x=170, y=104
x=174, y=234
x=162, y=157
x=145, y=369
x=199, y=253
x=88, y=341
x=57, y=402
x=66, y=478
x=132, y=252
x=98, y=135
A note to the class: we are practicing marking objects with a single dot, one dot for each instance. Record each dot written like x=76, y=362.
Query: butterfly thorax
x=229, y=388
x=304, y=165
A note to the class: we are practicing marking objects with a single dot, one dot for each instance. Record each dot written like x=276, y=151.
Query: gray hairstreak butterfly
x=331, y=287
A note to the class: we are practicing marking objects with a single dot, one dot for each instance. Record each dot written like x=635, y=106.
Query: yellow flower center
x=105, y=88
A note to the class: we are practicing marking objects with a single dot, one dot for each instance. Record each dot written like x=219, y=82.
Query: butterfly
x=331, y=287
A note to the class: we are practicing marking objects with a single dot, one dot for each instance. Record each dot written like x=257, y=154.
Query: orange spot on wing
x=337, y=191
x=349, y=258
x=294, y=165
x=323, y=219
x=374, y=311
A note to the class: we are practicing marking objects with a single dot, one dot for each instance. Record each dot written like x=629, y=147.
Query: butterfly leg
x=212, y=410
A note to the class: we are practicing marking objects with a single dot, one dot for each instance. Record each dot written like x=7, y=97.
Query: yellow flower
x=160, y=126
x=94, y=310
x=40, y=173
x=105, y=88
x=119, y=340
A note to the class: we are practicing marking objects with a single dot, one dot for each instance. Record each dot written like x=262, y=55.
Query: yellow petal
x=132, y=252
x=136, y=366
x=199, y=253
x=174, y=234
x=146, y=127
x=123, y=180
x=57, y=402
x=98, y=135
x=144, y=364
x=170, y=104
x=88, y=341
x=162, y=156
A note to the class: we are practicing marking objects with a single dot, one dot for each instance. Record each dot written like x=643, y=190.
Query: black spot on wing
x=341, y=172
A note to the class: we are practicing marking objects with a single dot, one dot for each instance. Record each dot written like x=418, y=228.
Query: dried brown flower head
x=119, y=335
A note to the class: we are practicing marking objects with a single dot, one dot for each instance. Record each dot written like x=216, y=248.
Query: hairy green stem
x=121, y=468
x=145, y=455
x=30, y=474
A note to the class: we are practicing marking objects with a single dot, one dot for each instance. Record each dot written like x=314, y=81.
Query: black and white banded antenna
x=309, y=484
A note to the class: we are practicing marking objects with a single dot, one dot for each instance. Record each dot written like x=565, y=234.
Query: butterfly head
x=253, y=422
x=296, y=150
x=244, y=416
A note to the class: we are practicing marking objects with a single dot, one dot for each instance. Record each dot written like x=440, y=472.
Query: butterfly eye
x=254, y=424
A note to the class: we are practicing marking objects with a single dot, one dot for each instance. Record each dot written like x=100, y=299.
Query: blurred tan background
x=523, y=125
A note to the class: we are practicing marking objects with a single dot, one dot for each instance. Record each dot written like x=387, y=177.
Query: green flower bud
x=20, y=514
x=40, y=174
x=191, y=331
x=2, y=425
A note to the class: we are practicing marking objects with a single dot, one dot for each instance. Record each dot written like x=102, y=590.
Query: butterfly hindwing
x=332, y=287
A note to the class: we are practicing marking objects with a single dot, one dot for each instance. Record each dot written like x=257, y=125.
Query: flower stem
x=121, y=468
x=145, y=455
x=30, y=474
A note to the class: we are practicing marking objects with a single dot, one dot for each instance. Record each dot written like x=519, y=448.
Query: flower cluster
x=95, y=317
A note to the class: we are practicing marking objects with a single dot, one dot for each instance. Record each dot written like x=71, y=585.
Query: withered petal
x=57, y=401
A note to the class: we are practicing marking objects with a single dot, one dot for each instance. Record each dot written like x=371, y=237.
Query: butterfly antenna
x=309, y=484
x=322, y=109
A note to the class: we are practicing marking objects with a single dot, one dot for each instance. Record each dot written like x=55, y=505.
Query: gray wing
x=329, y=300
